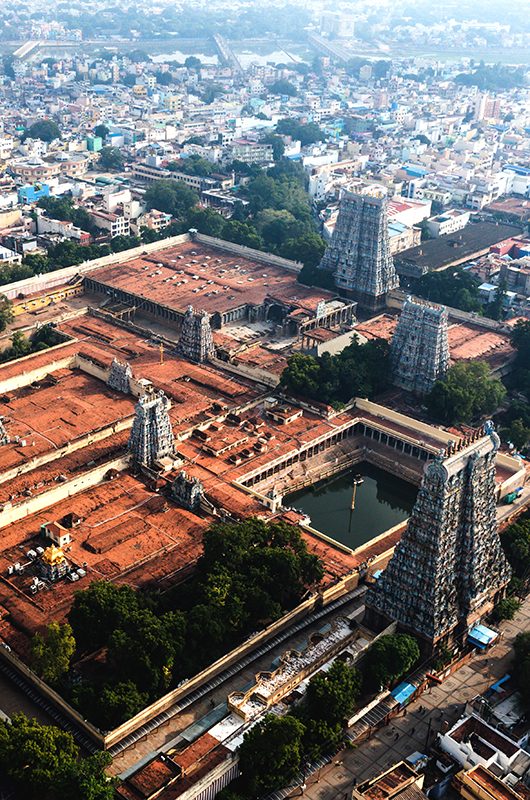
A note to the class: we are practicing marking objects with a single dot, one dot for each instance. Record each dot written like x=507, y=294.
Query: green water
x=381, y=502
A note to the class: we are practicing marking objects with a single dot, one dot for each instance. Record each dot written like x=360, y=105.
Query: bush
x=506, y=609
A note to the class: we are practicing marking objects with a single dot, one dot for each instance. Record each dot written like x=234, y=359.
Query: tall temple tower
x=449, y=566
x=120, y=376
x=151, y=434
x=419, y=352
x=359, y=251
x=196, y=341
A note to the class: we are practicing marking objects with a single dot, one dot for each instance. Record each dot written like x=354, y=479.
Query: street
x=410, y=732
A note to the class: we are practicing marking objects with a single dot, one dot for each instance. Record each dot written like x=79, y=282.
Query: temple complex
x=420, y=349
x=449, y=567
x=359, y=251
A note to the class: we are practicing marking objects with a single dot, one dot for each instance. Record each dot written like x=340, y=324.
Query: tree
x=360, y=370
x=389, y=658
x=102, y=131
x=271, y=754
x=6, y=312
x=44, y=762
x=467, y=392
x=86, y=779
x=242, y=233
x=506, y=609
x=173, y=197
x=33, y=755
x=521, y=667
x=192, y=62
x=516, y=545
x=518, y=434
x=120, y=243
x=45, y=129
x=456, y=288
x=331, y=695
x=51, y=653
x=111, y=158
x=99, y=610
x=306, y=133
x=206, y=221
x=308, y=249
x=278, y=147
x=283, y=86
x=119, y=703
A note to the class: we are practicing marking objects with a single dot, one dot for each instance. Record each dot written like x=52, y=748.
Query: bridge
x=329, y=48
x=226, y=53
x=27, y=48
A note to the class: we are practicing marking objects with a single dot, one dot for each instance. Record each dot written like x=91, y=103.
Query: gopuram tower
x=449, y=567
x=419, y=351
x=359, y=252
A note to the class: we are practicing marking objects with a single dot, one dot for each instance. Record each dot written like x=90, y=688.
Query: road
x=444, y=703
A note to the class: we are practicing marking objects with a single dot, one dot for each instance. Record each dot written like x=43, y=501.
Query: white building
x=450, y=221
x=472, y=741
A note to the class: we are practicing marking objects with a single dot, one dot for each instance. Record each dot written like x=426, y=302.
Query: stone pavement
x=413, y=730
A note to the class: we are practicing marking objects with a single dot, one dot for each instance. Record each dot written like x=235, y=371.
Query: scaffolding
x=120, y=376
x=449, y=561
x=419, y=351
x=151, y=434
x=359, y=251
x=196, y=340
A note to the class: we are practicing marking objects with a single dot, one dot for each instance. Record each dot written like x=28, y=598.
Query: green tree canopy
x=45, y=129
x=360, y=370
x=6, y=312
x=101, y=131
x=52, y=652
x=306, y=133
x=173, y=197
x=99, y=610
x=467, y=392
x=44, y=762
x=521, y=666
x=271, y=754
x=111, y=158
x=283, y=86
x=389, y=658
x=453, y=287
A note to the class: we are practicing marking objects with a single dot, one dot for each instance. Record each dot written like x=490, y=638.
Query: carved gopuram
x=151, y=434
x=359, y=252
x=120, y=376
x=420, y=350
x=195, y=342
x=449, y=567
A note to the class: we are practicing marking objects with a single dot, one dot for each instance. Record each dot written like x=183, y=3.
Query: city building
x=359, y=253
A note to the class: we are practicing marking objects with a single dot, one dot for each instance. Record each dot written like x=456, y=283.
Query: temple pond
x=381, y=501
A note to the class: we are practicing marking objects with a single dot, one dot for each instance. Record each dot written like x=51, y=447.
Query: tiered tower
x=119, y=376
x=449, y=565
x=4, y=436
x=195, y=341
x=419, y=351
x=151, y=435
x=359, y=251
x=187, y=491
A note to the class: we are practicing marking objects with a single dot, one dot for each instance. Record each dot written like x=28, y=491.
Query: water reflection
x=381, y=501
